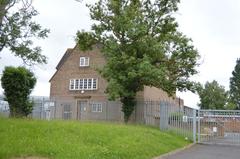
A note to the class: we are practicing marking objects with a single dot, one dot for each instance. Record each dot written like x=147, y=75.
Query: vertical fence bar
x=199, y=124
x=55, y=109
x=194, y=125
x=170, y=118
x=188, y=123
x=163, y=116
x=180, y=131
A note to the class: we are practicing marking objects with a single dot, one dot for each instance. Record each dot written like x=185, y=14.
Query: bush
x=18, y=83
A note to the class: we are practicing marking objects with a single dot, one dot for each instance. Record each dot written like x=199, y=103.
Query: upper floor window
x=84, y=61
x=71, y=84
x=83, y=84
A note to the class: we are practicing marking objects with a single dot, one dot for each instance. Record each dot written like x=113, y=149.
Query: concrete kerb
x=174, y=152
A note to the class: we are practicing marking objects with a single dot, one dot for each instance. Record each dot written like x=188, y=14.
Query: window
x=67, y=112
x=94, y=86
x=89, y=83
x=71, y=85
x=76, y=84
x=84, y=61
x=83, y=84
x=96, y=107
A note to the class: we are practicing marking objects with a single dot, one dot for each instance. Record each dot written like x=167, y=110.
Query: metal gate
x=181, y=121
x=218, y=127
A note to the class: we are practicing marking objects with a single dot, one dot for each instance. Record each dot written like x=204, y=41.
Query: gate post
x=194, y=125
x=163, y=116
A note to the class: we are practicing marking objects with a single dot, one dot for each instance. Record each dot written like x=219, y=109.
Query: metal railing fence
x=179, y=121
x=219, y=127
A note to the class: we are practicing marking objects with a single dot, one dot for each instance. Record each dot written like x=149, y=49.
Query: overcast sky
x=213, y=26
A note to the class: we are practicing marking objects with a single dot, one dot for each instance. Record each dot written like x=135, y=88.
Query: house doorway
x=81, y=108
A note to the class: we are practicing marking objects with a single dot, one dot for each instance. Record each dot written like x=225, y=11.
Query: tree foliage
x=142, y=45
x=213, y=96
x=235, y=85
x=18, y=83
x=17, y=29
x=230, y=105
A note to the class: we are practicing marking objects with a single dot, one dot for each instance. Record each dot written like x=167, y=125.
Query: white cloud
x=214, y=28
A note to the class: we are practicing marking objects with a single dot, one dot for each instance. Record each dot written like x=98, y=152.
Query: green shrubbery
x=18, y=83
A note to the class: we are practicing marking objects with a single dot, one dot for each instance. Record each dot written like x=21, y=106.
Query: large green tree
x=18, y=83
x=143, y=46
x=213, y=96
x=235, y=85
x=17, y=30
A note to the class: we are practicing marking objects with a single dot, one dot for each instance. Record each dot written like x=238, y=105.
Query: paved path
x=207, y=152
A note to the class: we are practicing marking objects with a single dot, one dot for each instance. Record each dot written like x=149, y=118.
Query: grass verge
x=83, y=140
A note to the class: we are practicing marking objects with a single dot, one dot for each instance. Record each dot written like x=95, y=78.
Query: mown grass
x=83, y=140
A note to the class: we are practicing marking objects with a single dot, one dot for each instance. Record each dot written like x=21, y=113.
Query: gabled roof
x=63, y=59
x=66, y=55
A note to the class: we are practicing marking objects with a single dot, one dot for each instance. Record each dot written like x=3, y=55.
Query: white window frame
x=67, y=112
x=84, y=61
x=83, y=84
x=72, y=83
x=76, y=84
x=80, y=84
x=95, y=88
x=89, y=81
x=97, y=107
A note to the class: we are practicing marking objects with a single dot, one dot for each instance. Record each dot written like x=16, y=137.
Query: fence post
x=163, y=116
x=199, y=126
x=43, y=111
x=194, y=125
x=55, y=109
x=107, y=118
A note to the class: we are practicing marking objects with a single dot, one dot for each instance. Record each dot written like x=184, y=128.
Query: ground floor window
x=96, y=107
x=67, y=111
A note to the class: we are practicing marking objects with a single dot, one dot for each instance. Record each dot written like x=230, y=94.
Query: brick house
x=78, y=90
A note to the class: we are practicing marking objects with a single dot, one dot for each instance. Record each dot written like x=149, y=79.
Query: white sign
x=215, y=129
x=185, y=119
x=51, y=104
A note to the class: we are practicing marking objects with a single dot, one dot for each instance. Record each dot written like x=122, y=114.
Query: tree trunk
x=3, y=5
x=128, y=105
